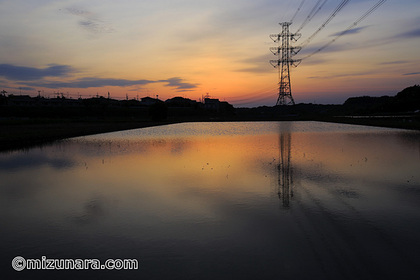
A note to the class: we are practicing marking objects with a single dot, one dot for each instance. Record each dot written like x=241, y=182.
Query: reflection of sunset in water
x=298, y=194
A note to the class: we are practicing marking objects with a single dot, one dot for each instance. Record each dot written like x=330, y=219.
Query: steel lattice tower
x=285, y=52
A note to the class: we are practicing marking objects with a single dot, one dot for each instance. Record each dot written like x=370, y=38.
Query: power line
x=333, y=14
x=245, y=102
x=365, y=15
x=254, y=100
x=318, y=6
x=297, y=11
x=254, y=96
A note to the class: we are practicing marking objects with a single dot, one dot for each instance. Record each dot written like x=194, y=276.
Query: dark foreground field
x=24, y=133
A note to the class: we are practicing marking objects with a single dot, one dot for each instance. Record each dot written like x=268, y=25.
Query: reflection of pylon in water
x=285, y=52
x=285, y=170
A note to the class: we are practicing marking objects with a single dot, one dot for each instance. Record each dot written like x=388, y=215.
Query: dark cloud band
x=176, y=82
x=20, y=73
x=33, y=77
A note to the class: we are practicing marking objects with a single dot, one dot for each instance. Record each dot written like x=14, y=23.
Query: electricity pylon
x=285, y=53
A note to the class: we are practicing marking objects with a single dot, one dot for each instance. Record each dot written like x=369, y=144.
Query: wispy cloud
x=90, y=82
x=89, y=21
x=350, y=31
x=415, y=33
x=179, y=84
x=35, y=77
x=394, y=62
x=344, y=75
x=411, y=74
x=5, y=86
x=258, y=64
x=79, y=12
x=314, y=61
x=21, y=73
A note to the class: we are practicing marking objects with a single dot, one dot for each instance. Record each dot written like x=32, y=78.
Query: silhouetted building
x=147, y=101
x=20, y=100
x=212, y=104
x=181, y=102
x=222, y=107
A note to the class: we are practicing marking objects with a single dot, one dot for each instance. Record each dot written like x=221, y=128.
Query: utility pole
x=285, y=53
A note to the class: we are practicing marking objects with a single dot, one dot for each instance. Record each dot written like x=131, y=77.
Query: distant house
x=147, y=101
x=218, y=106
x=211, y=104
x=20, y=100
x=180, y=102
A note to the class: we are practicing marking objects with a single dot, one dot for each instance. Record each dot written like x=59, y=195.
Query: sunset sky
x=192, y=47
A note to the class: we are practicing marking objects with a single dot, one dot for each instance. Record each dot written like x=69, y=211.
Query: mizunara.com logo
x=20, y=263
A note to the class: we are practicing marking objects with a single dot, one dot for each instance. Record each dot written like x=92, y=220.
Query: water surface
x=248, y=200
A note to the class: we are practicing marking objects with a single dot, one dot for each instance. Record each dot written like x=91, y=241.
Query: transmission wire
x=318, y=6
x=297, y=11
x=365, y=15
x=333, y=14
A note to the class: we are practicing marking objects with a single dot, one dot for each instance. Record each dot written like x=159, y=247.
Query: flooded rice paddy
x=246, y=200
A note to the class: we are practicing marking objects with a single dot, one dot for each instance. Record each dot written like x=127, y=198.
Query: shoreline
x=406, y=122
x=25, y=134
